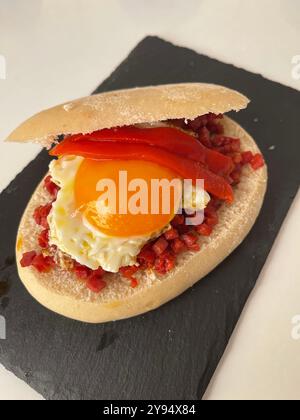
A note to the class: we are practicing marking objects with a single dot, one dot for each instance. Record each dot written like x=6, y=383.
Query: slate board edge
x=157, y=38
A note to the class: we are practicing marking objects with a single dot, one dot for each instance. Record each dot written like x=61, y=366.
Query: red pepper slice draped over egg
x=167, y=138
x=181, y=153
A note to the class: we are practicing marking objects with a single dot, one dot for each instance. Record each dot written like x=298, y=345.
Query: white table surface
x=56, y=50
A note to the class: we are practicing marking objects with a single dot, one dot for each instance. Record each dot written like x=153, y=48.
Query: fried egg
x=89, y=229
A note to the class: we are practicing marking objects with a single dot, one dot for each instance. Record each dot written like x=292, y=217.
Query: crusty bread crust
x=63, y=293
x=128, y=107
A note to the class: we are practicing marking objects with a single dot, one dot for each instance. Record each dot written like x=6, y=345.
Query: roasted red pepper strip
x=218, y=163
x=185, y=168
x=168, y=138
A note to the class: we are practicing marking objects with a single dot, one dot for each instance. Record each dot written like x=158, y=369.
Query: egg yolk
x=133, y=204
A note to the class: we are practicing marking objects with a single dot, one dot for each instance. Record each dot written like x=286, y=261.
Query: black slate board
x=172, y=352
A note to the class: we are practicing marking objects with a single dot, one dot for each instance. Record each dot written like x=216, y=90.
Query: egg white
x=75, y=236
x=71, y=232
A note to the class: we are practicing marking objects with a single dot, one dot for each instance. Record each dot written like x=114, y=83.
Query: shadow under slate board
x=170, y=353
